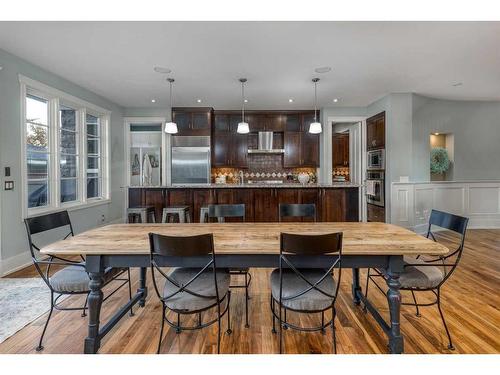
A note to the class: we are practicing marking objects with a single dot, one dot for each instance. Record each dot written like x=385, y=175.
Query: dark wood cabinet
x=265, y=205
x=340, y=150
x=193, y=120
x=261, y=204
x=229, y=149
x=266, y=122
x=375, y=131
x=301, y=147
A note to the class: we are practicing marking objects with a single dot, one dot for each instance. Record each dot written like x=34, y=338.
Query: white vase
x=303, y=178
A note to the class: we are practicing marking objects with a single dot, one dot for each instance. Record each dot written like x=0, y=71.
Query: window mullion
x=54, y=148
x=83, y=155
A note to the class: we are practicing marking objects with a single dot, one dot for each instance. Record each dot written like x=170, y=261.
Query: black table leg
x=142, y=286
x=394, y=300
x=355, y=286
x=96, y=273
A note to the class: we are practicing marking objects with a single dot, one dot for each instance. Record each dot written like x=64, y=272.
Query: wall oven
x=376, y=159
x=375, y=188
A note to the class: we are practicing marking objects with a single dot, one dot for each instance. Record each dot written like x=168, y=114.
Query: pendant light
x=315, y=127
x=171, y=127
x=243, y=127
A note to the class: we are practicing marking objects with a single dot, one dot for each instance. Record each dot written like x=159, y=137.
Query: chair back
x=185, y=246
x=297, y=210
x=223, y=211
x=44, y=223
x=455, y=223
x=310, y=246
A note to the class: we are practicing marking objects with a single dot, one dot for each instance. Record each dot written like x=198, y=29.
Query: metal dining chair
x=429, y=275
x=72, y=279
x=221, y=212
x=190, y=291
x=297, y=211
x=306, y=290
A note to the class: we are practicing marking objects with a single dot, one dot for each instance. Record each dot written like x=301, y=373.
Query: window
x=65, y=150
x=94, y=157
x=37, y=150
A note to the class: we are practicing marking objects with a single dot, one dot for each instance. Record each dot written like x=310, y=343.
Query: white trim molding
x=412, y=202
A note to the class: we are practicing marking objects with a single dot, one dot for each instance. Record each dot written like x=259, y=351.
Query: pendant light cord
x=315, y=99
x=242, y=101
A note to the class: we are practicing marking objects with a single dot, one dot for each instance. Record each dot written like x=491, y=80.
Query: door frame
x=357, y=153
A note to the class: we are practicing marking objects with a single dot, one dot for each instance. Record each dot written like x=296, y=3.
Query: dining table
x=241, y=245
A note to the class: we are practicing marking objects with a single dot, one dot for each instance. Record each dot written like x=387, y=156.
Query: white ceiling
x=368, y=60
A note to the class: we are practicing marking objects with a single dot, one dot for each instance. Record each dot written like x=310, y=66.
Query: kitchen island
x=334, y=202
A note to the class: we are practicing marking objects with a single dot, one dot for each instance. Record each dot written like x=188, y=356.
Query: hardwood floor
x=470, y=302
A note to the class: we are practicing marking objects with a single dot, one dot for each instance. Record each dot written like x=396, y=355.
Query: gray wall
x=476, y=130
x=13, y=234
x=147, y=112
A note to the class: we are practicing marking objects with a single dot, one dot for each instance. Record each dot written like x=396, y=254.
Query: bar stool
x=203, y=214
x=141, y=214
x=182, y=212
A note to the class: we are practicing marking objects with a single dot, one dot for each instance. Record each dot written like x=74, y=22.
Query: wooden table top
x=247, y=238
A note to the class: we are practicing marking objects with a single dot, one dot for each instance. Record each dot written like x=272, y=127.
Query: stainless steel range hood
x=266, y=145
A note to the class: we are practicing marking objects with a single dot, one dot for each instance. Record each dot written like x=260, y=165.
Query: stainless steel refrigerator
x=190, y=160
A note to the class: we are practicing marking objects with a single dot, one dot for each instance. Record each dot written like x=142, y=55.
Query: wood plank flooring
x=471, y=301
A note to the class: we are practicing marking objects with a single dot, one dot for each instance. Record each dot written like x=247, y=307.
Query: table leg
x=142, y=286
x=96, y=273
x=355, y=286
x=394, y=300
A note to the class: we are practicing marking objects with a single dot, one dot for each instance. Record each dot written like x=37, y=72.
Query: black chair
x=70, y=280
x=306, y=290
x=190, y=290
x=221, y=212
x=297, y=211
x=428, y=275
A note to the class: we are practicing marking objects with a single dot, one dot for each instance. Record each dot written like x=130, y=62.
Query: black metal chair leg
x=415, y=301
x=229, y=330
x=84, y=314
x=366, y=288
x=334, y=334
x=161, y=329
x=199, y=319
x=281, y=330
x=40, y=346
x=274, y=318
x=178, y=328
x=246, y=300
x=323, y=331
x=284, y=324
x=131, y=313
x=450, y=345
x=218, y=327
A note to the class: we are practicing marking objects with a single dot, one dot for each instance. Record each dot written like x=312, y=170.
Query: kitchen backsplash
x=263, y=173
x=341, y=172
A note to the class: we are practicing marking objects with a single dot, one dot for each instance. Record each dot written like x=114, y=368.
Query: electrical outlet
x=103, y=219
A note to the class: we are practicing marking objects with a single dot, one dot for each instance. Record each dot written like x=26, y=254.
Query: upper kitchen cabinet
x=266, y=122
x=193, y=120
x=301, y=147
x=229, y=149
x=340, y=150
x=375, y=131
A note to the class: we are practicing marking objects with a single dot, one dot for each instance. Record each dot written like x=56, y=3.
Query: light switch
x=9, y=185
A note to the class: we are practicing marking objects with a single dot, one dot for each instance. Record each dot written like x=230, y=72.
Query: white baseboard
x=23, y=259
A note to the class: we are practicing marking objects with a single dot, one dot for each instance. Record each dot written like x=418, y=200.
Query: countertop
x=253, y=185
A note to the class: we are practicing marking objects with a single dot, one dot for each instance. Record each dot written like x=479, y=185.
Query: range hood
x=266, y=145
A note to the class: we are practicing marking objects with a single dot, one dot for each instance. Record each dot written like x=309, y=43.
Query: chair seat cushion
x=313, y=300
x=203, y=285
x=420, y=277
x=76, y=279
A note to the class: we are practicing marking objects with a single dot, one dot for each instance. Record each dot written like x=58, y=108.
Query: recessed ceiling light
x=246, y=100
x=436, y=133
x=335, y=100
x=323, y=69
x=290, y=100
x=153, y=100
x=160, y=69
x=457, y=84
x=198, y=100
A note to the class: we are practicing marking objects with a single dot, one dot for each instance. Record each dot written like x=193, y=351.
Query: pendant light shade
x=171, y=127
x=243, y=127
x=315, y=127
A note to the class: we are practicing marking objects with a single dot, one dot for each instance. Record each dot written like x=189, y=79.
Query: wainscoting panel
x=412, y=203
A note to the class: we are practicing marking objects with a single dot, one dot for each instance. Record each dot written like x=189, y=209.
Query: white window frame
x=55, y=97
